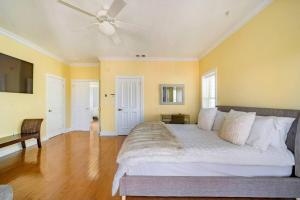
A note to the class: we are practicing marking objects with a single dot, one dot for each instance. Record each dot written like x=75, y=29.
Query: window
x=209, y=90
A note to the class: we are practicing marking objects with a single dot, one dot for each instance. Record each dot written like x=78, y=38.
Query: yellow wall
x=154, y=73
x=260, y=64
x=15, y=107
x=85, y=72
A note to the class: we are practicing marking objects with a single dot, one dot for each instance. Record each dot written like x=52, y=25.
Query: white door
x=85, y=103
x=129, y=101
x=55, y=105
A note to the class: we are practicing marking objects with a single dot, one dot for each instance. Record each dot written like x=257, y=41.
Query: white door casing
x=85, y=103
x=55, y=106
x=129, y=103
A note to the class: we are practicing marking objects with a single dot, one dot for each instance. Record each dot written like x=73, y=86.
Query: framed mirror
x=172, y=94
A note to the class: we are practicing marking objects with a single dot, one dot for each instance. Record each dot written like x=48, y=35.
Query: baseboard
x=68, y=130
x=73, y=129
x=4, y=151
x=108, y=133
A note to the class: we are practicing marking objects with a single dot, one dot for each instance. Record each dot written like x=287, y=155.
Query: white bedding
x=206, y=147
x=206, y=169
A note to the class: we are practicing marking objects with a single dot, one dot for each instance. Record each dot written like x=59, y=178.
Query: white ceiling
x=167, y=28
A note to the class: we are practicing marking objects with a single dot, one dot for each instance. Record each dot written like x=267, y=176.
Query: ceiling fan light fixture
x=107, y=28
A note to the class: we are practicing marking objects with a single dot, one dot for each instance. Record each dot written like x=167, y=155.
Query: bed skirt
x=180, y=186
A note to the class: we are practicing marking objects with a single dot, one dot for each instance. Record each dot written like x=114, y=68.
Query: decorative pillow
x=220, y=117
x=282, y=125
x=261, y=133
x=206, y=118
x=236, y=127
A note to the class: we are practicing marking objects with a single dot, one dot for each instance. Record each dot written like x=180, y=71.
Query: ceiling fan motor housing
x=106, y=28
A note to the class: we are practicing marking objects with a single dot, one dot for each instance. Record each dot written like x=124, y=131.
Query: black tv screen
x=15, y=75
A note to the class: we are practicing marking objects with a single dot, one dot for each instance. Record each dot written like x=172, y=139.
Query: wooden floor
x=76, y=165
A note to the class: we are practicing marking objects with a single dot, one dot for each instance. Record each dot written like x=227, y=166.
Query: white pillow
x=236, y=127
x=283, y=125
x=220, y=117
x=261, y=133
x=206, y=118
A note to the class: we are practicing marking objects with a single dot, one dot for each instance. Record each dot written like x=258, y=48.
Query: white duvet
x=206, y=146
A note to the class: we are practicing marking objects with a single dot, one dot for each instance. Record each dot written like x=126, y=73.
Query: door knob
x=119, y=109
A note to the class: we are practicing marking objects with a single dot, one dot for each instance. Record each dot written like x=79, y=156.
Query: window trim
x=206, y=74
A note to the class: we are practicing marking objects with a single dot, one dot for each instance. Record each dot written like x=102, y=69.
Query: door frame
x=72, y=100
x=64, y=103
x=116, y=98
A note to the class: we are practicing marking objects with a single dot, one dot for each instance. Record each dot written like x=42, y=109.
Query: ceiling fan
x=106, y=21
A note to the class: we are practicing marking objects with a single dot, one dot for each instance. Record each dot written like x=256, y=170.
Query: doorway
x=85, y=103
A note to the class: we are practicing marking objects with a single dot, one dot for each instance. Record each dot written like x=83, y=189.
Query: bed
x=269, y=174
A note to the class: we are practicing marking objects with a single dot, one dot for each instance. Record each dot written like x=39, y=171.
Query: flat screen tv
x=15, y=75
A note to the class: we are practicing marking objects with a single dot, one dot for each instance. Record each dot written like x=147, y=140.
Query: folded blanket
x=146, y=140
x=149, y=139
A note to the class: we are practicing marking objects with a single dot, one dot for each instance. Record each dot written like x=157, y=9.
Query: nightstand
x=175, y=118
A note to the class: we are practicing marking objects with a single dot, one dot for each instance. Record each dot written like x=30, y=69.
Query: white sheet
x=206, y=147
x=206, y=169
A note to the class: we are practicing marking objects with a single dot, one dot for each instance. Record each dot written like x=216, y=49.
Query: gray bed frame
x=183, y=186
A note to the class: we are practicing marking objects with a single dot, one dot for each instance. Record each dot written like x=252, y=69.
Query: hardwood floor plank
x=75, y=165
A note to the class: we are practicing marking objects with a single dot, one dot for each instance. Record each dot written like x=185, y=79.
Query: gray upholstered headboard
x=293, y=139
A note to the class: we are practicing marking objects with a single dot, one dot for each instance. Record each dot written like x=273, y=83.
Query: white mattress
x=190, y=136
x=207, y=169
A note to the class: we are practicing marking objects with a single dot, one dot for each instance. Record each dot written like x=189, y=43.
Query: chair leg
x=23, y=144
x=38, y=140
x=39, y=156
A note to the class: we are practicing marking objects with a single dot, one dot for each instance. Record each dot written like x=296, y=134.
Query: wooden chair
x=30, y=129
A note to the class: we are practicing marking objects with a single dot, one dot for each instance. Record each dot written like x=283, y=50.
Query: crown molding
x=236, y=27
x=29, y=44
x=127, y=58
x=85, y=64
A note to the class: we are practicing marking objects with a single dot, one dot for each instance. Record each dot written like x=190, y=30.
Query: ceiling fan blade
x=76, y=8
x=116, y=39
x=116, y=7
